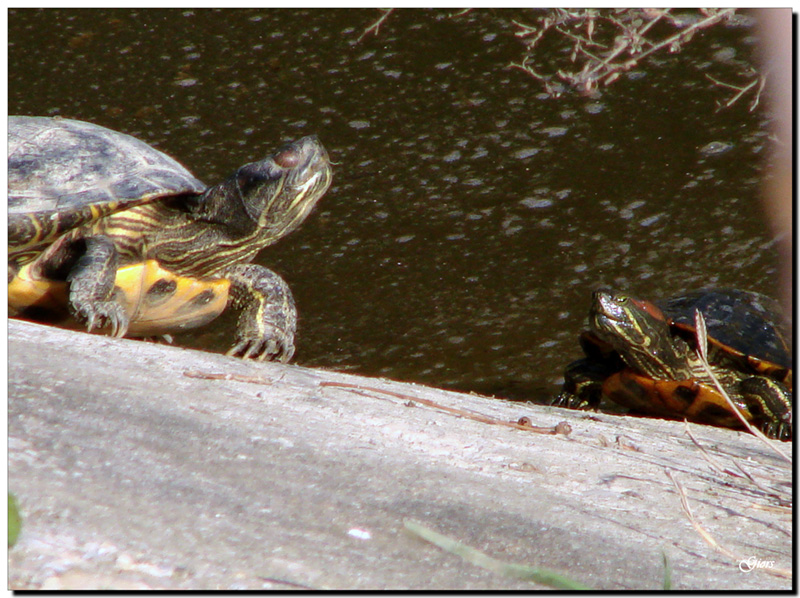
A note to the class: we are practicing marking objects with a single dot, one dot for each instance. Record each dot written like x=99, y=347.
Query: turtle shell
x=64, y=173
x=746, y=327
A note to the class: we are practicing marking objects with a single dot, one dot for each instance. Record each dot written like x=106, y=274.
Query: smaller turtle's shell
x=741, y=322
x=71, y=172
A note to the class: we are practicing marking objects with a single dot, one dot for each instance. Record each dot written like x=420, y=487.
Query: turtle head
x=640, y=333
x=265, y=200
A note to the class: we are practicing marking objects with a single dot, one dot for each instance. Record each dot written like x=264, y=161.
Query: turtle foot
x=275, y=345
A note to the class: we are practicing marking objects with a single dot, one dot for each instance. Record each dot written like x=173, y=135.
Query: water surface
x=471, y=216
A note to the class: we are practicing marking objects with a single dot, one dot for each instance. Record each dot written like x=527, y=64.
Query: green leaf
x=536, y=574
x=14, y=520
x=667, y=572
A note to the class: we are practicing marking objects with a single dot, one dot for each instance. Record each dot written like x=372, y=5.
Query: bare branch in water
x=377, y=24
x=597, y=46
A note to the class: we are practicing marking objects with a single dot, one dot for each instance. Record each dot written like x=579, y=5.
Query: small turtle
x=109, y=233
x=643, y=356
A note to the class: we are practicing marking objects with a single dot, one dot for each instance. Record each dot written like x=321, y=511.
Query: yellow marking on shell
x=26, y=291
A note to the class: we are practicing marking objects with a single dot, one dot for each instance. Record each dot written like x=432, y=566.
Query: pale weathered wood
x=132, y=474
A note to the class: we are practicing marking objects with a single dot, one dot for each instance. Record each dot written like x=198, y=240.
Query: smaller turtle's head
x=639, y=332
x=268, y=199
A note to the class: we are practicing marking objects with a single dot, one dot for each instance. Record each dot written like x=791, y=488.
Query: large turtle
x=643, y=356
x=107, y=232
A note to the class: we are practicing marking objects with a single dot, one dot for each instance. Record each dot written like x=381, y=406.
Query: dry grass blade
x=719, y=468
x=709, y=539
x=764, y=489
x=702, y=351
x=702, y=335
x=695, y=524
x=783, y=510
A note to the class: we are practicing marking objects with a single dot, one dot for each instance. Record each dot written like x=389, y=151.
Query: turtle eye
x=622, y=300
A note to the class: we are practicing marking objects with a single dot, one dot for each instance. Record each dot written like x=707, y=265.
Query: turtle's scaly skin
x=646, y=361
x=110, y=233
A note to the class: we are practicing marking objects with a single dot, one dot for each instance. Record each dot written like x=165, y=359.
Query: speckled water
x=470, y=216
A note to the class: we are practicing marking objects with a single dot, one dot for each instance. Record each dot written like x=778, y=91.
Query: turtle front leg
x=583, y=385
x=91, y=287
x=771, y=403
x=268, y=317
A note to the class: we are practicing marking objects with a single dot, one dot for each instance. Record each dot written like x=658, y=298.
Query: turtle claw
x=277, y=347
x=104, y=314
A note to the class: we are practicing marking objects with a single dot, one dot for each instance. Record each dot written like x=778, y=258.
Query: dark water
x=470, y=216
